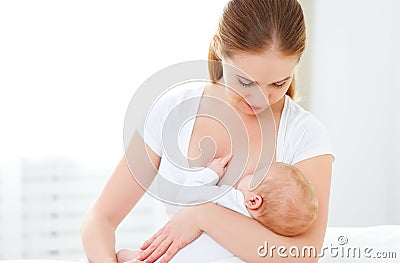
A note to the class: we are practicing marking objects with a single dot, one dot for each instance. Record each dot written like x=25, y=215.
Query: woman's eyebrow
x=258, y=83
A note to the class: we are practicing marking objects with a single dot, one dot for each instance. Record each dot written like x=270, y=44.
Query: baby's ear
x=254, y=202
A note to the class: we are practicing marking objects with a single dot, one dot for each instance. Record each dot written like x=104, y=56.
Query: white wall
x=355, y=92
x=395, y=184
x=67, y=73
x=69, y=69
x=303, y=76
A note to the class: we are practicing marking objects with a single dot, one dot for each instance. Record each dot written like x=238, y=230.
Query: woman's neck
x=277, y=107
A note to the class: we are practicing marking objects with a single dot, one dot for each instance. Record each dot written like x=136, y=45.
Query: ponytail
x=214, y=64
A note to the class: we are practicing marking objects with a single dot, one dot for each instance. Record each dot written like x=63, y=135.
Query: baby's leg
x=125, y=255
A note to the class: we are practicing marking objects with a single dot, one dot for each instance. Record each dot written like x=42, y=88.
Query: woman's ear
x=216, y=46
x=254, y=202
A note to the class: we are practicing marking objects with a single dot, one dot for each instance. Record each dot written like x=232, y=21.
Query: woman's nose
x=258, y=99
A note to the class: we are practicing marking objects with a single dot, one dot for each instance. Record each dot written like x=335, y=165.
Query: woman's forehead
x=268, y=67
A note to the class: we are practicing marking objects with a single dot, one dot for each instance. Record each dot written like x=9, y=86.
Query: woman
x=265, y=39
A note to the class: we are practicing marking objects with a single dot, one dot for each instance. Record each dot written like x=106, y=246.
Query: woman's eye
x=246, y=84
x=278, y=86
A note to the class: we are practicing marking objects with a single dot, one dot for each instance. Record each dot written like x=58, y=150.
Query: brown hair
x=252, y=26
x=290, y=204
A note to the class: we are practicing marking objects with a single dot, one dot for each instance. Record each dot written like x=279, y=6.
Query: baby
x=285, y=202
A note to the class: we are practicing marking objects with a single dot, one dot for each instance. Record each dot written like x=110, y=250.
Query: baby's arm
x=200, y=185
x=203, y=188
x=224, y=195
x=209, y=175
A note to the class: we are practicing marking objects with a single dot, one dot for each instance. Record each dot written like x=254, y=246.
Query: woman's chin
x=254, y=112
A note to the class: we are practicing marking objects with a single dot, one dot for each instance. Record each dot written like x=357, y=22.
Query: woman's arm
x=242, y=235
x=118, y=197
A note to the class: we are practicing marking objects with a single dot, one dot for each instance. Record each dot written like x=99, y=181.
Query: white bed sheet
x=383, y=239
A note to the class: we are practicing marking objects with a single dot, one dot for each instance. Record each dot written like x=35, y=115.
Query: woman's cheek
x=235, y=94
x=278, y=94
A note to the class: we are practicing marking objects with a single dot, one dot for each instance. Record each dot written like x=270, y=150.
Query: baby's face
x=244, y=184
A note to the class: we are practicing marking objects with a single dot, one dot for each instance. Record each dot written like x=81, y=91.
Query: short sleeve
x=315, y=141
x=151, y=125
x=168, y=105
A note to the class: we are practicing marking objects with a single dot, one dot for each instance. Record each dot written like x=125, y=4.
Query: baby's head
x=285, y=201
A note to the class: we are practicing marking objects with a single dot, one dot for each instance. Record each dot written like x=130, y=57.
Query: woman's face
x=257, y=81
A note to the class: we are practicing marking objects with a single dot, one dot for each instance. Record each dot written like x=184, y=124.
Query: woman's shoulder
x=168, y=110
x=179, y=98
x=300, y=119
x=181, y=92
x=305, y=136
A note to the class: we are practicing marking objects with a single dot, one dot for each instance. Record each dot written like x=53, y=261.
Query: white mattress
x=383, y=238
x=376, y=239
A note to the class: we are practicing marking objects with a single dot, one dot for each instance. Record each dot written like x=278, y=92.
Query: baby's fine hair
x=290, y=204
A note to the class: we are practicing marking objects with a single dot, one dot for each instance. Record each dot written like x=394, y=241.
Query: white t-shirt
x=206, y=179
x=300, y=136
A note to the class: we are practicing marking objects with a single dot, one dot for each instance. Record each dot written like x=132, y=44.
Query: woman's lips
x=254, y=108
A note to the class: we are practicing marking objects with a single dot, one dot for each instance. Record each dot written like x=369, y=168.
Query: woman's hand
x=177, y=233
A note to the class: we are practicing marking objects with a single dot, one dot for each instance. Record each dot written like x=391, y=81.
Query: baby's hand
x=218, y=165
x=128, y=255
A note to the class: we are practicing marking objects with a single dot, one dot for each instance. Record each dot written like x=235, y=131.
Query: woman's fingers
x=148, y=242
x=161, y=249
x=177, y=233
x=155, y=244
x=172, y=250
